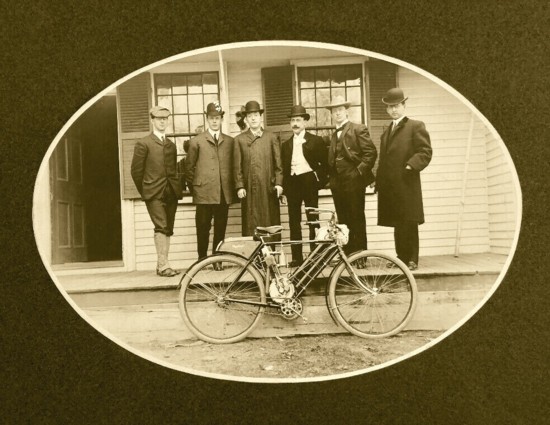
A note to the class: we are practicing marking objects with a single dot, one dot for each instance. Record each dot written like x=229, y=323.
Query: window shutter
x=134, y=102
x=382, y=77
x=278, y=94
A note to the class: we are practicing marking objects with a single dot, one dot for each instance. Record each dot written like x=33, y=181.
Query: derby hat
x=214, y=109
x=338, y=101
x=299, y=111
x=159, y=112
x=252, y=106
x=394, y=96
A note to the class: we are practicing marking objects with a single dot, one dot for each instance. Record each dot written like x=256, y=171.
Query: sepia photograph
x=277, y=211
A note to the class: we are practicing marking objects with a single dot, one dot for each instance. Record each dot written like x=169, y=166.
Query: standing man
x=304, y=158
x=405, y=150
x=258, y=172
x=351, y=157
x=154, y=172
x=209, y=175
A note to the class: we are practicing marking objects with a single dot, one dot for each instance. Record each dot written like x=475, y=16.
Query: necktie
x=340, y=129
x=163, y=139
x=216, y=139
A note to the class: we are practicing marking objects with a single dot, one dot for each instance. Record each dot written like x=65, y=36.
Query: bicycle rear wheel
x=213, y=303
x=376, y=298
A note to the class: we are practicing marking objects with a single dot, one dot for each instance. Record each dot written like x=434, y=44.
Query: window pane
x=305, y=75
x=165, y=101
x=194, y=83
x=210, y=83
x=313, y=120
x=195, y=104
x=355, y=114
x=338, y=92
x=181, y=123
x=180, y=104
x=354, y=75
x=308, y=98
x=164, y=85
x=323, y=117
x=209, y=98
x=179, y=83
x=354, y=95
x=338, y=76
x=197, y=123
x=323, y=97
x=322, y=77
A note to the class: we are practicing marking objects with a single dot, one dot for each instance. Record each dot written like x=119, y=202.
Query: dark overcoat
x=257, y=168
x=209, y=169
x=399, y=189
x=154, y=167
x=315, y=153
x=358, y=148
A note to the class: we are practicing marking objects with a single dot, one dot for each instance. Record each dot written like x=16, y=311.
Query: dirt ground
x=289, y=357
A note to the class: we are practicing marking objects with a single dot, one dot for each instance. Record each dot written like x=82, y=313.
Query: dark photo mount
x=57, y=368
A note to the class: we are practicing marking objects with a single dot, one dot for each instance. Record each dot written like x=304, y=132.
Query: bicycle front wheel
x=220, y=298
x=376, y=298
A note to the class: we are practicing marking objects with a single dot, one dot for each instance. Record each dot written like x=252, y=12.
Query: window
x=319, y=86
x=186, y=95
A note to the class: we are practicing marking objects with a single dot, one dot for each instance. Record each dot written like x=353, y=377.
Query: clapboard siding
x=501, y=197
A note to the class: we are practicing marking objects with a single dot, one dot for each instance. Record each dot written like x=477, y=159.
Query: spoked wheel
x=214, y=298
x=376, y=298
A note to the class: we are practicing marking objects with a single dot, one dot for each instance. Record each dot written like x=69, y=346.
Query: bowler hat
x=299, y=111
x=338, y=101
x=214, y=109
x=252, y=106
x=159, y=112
x=394, y=96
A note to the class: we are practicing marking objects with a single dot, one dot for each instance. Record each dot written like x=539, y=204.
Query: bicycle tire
x=382, y=313
x=204, y=294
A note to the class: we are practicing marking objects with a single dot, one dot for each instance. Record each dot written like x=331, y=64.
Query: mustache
x=295, y=127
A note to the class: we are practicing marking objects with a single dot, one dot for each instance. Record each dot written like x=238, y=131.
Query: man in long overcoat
x=258, y=172
x=351, y=157
x=154, y=172
x=304, y=158
x=209, y=175
x=405, y=150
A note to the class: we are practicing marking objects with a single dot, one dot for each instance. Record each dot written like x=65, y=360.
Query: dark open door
x=69, y=242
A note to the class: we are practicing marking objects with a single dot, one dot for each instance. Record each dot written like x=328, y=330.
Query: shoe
x=295, y=263
x=412, y=265
x=218, y=266
x=167, y=272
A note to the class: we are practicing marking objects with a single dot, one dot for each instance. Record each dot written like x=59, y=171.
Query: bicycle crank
x=292, y=308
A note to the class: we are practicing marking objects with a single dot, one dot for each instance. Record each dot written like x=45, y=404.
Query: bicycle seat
x=271, y=230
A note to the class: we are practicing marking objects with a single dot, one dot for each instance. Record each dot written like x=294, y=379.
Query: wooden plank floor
x=430, y=268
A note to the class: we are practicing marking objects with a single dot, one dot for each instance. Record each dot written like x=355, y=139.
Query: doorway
x=85, y=188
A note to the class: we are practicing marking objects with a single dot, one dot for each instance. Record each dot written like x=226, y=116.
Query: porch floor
x=430, y=269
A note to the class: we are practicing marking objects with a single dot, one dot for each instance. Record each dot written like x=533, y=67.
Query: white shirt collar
x=300, y=136
x=397, y=121
x=159, y=134
x=214, y=133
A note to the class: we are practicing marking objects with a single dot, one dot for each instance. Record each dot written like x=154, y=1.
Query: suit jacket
x=315, y=153
x=154, y=167
x=358, y=148
x=399, y=189
x=209, y=169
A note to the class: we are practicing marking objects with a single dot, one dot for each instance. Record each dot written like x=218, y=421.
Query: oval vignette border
x=288, y=44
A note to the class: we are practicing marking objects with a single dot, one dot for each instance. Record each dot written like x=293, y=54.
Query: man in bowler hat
x=405, y=150
x=209, y=175
x=257, y=172
x=154, y=172
x=304, y=158
x=351, y=157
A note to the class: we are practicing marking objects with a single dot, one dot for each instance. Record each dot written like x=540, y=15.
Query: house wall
x=483, y=224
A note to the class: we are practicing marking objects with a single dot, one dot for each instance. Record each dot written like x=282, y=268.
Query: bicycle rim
x=374, y=300
x=209, y=299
